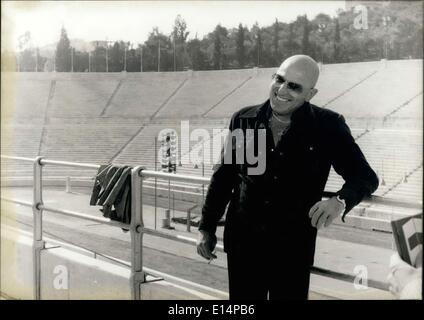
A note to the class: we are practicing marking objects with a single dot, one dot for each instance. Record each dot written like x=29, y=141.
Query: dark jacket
x=275, y=205
x=112, y=190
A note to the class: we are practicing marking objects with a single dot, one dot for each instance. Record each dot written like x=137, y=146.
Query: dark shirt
x=297, y=169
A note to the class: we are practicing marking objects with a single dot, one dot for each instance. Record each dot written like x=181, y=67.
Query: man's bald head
x=293, y=84
x=302, y=69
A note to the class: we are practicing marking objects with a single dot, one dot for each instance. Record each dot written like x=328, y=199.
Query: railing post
x=136, y=228
x=38, y=243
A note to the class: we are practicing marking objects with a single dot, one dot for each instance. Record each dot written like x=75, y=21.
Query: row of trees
x=392, y=32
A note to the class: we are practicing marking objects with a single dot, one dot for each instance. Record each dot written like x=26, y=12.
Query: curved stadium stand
x=203, y=90
x=141, y=95
x=98, y=117
x=389, y=87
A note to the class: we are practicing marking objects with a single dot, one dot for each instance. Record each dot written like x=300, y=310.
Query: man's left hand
x=324, y=212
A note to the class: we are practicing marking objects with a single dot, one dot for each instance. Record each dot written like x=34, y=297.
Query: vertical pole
x=188, y=219
x=175, y=65
x=68, y=185
x=169, y=195
x=159, y=56
x=173, y=204
x=36, y=60
x=89, y=62
x=203, y=172
x=257, y=45
x=258, y=55
x=141, y=59
x=72, y=59
x=136, y=229
x=107, y=59
x=38, y=243
x=203, y=186
x=156, y=180
x=125, y=57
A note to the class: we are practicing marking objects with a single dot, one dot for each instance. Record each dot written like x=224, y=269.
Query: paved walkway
x=333, y=251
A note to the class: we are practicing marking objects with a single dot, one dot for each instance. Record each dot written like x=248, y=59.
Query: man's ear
x=311, y=94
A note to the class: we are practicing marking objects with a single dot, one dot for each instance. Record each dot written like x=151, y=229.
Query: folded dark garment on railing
x=112, y=191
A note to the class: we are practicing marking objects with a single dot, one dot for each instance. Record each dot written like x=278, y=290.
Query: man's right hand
x=206, y=244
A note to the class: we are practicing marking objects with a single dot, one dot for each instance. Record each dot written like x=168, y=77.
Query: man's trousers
x=263, y=273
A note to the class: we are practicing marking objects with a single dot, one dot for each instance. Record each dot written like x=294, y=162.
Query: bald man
x=273, y=217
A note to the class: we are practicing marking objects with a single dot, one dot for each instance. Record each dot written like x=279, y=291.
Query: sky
x=134, y=20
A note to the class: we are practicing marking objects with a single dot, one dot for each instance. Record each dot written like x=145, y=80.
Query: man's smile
x=281, y=98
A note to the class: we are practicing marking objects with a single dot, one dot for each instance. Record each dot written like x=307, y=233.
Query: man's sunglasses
x=291, y=85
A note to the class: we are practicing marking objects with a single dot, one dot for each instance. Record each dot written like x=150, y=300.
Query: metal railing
x=137, y=276
x=136, y=226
